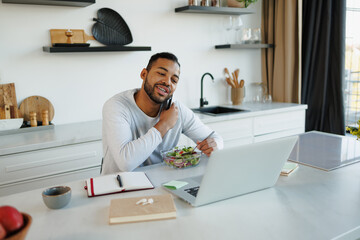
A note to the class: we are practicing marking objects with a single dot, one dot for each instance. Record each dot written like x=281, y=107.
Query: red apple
x=10, y=218
x=2, y=232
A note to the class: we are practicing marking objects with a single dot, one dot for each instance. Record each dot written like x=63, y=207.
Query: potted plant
x=240, y=3
x=354, y=130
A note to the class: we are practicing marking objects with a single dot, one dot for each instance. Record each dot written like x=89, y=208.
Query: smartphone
x=168, y=103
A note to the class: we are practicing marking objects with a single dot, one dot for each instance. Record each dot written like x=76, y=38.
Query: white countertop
x=254, y=109
x=58, y=136
x=91, y=131
x=309, y=204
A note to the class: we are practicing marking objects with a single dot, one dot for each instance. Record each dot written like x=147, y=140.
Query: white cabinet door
x=234, y=132
x=279, y=122
x=36, y=164
x=53, y=180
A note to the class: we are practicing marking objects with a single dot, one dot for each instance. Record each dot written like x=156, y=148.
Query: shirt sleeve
x=195, y=129
x=128, y=153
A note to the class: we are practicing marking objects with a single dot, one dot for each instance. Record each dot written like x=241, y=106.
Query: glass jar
x=193, y=3
x=257, y=92
x=215, y=3
x=256, y=35
x=206, y=3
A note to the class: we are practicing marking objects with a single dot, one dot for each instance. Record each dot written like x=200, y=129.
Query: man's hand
x=168, y=119
x=207, y=146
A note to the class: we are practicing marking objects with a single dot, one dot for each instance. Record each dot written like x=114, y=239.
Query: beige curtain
x=280, y=65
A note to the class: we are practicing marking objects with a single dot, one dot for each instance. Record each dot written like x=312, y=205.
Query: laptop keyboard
x=193, y=191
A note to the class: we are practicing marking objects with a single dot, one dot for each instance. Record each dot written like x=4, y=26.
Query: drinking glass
x=256, y=35
x=237, y=25
x=246, y=35
x=228, y=24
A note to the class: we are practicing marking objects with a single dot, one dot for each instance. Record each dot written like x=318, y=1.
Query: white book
x=109, y=184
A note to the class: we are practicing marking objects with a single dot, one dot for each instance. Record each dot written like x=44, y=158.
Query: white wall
x=78, y=84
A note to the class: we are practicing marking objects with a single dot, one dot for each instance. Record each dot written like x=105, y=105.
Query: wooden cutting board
x=8, y=97
x=36, y=104
x=79, y=36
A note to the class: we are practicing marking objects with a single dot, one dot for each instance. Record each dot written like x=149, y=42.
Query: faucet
x=203, y=100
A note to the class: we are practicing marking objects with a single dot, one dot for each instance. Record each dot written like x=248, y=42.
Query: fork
x=188, y=153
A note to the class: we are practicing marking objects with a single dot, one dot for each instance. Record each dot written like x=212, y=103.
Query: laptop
x=236, y=171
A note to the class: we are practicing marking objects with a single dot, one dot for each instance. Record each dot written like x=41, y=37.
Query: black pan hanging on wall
x=110, y=28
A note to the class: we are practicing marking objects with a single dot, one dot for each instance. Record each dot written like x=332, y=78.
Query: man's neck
x=146, y=104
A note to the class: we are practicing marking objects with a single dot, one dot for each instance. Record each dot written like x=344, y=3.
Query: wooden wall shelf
x=71, y=3
x=214, y=10
x=244, y=46
x=95, y=49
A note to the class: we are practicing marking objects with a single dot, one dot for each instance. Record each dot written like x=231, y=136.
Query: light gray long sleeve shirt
x=130, y=139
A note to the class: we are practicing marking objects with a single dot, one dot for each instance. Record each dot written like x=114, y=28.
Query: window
x=352, y=64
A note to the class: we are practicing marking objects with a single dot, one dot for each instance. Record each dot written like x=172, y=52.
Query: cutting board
x=8, y=97
x=36, y=104
x=59, y=36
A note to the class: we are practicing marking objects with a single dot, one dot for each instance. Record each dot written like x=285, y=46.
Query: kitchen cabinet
x=72, y=3
x=263, y=122
x=50, y=157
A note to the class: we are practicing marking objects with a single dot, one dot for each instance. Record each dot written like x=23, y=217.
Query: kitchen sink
x=218, y=110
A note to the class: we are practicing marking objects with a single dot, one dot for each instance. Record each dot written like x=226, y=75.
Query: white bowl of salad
x=181, y=157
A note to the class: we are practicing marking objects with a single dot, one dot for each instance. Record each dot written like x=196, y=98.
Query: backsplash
x=78, y=84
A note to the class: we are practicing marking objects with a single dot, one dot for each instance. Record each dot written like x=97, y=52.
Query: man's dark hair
x=166, y=55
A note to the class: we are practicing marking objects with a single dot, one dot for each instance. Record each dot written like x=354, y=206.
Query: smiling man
x=137, y=125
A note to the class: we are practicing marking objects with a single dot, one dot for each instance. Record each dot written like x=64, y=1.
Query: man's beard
x=150, y=91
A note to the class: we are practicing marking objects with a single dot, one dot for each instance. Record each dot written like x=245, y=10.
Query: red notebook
x=109, y=184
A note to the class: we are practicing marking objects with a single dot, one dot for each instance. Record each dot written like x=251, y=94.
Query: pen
x=119, y=180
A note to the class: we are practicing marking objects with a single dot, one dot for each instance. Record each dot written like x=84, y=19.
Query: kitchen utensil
x=237, y=75
x=36, y=104
x=7, y=112
x=188, y=153
x=230, y=82
x=8, y=97
x=110, y=28
x=227, y=73
x=234, y=79
x=242, y=82
x=78, y=36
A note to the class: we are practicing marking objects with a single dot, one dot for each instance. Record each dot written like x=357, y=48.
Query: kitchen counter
x=60, y=135
x=81, y=132
x=253, y=110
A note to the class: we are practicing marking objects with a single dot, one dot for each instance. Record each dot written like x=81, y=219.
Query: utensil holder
x=237, y=95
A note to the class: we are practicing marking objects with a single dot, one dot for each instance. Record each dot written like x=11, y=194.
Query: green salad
x=182, y=157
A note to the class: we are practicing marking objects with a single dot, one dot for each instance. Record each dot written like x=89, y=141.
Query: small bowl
x=21, y=233
x=174, y=158
x=57, y=197
x=10, y=124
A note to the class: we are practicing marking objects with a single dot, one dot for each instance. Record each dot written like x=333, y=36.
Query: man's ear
x=143, y=74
